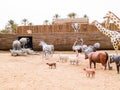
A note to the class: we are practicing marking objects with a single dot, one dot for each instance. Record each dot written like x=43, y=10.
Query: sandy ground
x=31, y=73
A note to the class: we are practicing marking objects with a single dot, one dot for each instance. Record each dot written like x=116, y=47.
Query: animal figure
x=84, y=48
x=113, y=35
x=24, y=41
x=97, y=57
x=29, y=51
x=110, y=15
x=18, y=53
x=52, y=65
x=16, y=45
x=89, y=72
x=91, y=48
x=47, y=49
x=74, y=60
x=63, y=58
x=76, y=27
x=77, y=48
x=107, y=23
x=116, y=59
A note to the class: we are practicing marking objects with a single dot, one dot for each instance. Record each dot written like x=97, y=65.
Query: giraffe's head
x=108, y=15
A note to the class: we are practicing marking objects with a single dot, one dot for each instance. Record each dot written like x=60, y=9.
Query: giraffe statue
x=107, y=23
x=113, y=35
x=113, y=18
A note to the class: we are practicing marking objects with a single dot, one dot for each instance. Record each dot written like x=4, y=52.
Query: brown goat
x=89, y=72
x=51, y=65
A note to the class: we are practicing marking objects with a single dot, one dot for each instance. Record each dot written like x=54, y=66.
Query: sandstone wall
x=59, y=28
x=61, y=40
x=6, y=41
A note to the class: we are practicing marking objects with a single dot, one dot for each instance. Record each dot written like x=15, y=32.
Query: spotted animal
x=111, y=16
x=113, y=35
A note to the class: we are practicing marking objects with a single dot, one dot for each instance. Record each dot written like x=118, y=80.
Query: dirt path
x=31, y=73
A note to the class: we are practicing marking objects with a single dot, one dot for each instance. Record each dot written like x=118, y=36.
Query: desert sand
x=31, y=73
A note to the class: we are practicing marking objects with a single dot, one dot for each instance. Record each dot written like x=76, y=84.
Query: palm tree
x=72, y=15
x=46, y=22
x=56, y=16
x=85, y=16
x=30, y=23
x=25, y=22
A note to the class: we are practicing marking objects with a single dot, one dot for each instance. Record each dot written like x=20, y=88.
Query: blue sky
x=37, y=11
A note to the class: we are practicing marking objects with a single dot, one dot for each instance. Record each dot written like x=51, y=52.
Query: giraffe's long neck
x=115, y=20
x=102, y=29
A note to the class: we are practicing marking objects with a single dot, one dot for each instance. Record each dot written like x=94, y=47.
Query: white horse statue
x=47, y=49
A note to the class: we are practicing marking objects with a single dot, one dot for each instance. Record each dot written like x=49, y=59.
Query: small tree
x=85, y=16
x=11, y=26
x=30, y=23
x=56, y=16
x=4, y=31
x=72, y=15
x=24, y=22
x=46, y=22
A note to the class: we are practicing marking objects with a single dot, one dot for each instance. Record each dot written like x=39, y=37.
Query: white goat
x=63, y=58
x=74, y=60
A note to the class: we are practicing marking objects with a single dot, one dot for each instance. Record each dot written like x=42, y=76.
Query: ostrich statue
x=77, y=48
x=82, y=48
